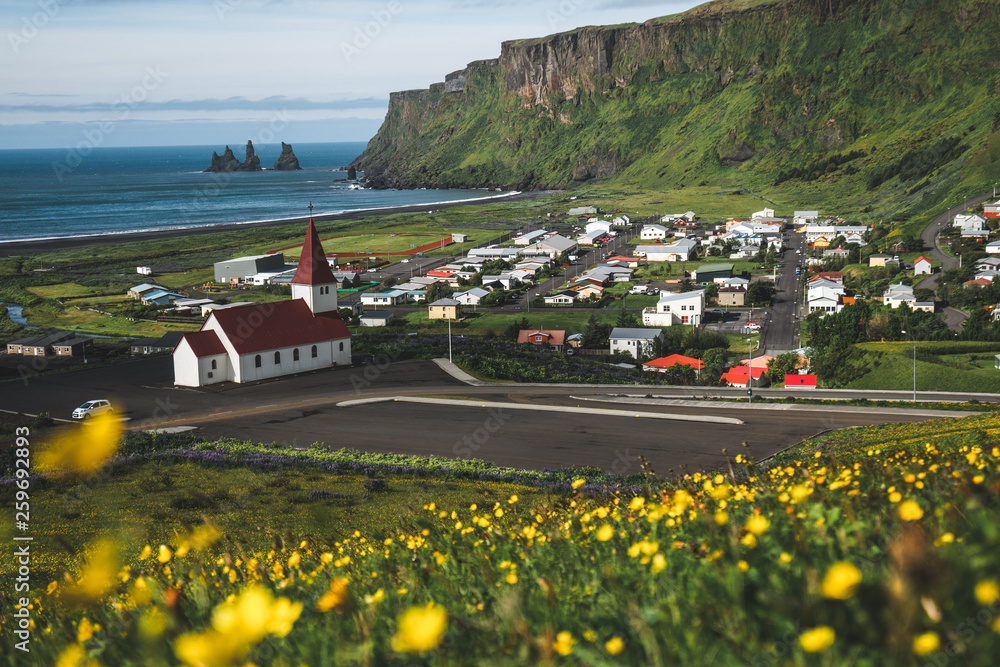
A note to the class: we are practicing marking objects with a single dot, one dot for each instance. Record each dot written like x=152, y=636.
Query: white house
x=390, y=298
x=376, y=318
x=993, y=247
x=766, y=213
x=564, y=298
x=553, y=246
x=899, y=294
x=681, y=250
x=921, y=265
x=637, y=342
x=969, y=223
x=597, y=226
x=591, y=238
x=622, y=221
x=825, y=299
x=471, y=297
x=266, y=340
x=652, y=232
x=676, y=308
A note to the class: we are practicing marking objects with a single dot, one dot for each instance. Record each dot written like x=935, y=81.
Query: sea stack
x=287, y=160
x=352, y=173
x=228, y=161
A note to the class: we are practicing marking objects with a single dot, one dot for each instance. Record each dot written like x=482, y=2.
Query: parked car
x=751, y=325
x=93, y=408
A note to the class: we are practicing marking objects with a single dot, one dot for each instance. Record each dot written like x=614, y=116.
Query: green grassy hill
x=870, y=106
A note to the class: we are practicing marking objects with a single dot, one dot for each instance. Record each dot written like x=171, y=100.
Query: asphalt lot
x=301, y=410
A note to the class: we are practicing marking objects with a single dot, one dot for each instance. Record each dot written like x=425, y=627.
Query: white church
x=266, y=340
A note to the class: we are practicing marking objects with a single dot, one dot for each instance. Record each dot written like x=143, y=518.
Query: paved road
x=931, y=239
x=301, y=410
x=781, y=331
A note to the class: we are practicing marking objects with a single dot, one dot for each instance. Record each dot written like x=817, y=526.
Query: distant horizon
x=237, y=147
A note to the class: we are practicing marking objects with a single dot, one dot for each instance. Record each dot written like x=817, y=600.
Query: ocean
x=53, y=193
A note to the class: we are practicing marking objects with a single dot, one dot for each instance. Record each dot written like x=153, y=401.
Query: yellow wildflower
x=840, y=581
x=818, y=639
x=420, y=629
x=926, y=643
x=577, y=483
x=564, y=643
x=334, y=598
x=910, y=511
x=614, y=646
x=165, y=554
x=987, y=591
x=84, y=449
x=605, y=532
x=757, y=524
x=84, y=631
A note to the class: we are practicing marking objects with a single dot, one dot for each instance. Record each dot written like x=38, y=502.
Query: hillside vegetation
x=871, y=546
x=871, y=107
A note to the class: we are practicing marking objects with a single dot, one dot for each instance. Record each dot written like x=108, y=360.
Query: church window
x=256, y=361
x=277, y=357
x=341, y=347
x=315, y=352
x=295, y=354
x=215, y=364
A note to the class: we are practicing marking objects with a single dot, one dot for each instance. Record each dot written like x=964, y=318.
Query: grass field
x=49, y=316
x=479, y=323
x=65, y=290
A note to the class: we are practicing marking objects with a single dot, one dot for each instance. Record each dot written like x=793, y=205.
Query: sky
x=196, y=72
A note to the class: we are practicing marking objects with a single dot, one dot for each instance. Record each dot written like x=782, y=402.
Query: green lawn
x=49, y=316
x=65, y=290
x=483, y=322
x=896, y=372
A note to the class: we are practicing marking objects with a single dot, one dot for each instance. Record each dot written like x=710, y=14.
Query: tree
x=597, y=334
x=627, y=320
x=782, y=365
x=514, y=328
x=759, y=292
x=495, y=298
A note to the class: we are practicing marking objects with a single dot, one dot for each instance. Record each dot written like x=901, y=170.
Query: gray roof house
x=637, y=342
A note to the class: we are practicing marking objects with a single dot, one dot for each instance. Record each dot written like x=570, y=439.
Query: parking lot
x=734, y=321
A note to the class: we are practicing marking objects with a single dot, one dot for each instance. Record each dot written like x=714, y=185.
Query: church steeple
x=313, y=280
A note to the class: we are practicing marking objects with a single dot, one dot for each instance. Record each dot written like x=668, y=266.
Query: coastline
x=29, y=247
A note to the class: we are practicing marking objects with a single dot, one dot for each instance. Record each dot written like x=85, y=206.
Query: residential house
x=622, y=221
x=390, y=298
x=766, y=213
x=897, y=295
x=663, y=364
x=732, y=296
x=839, y=253
x=993, y=247
x=991, y=210
x=676, y=308
x=921, y=265
x=733, y=281
x=39, y=345
x=73, y=347
x=830, y=232
x=969, y=223
x=260, y=341
x=563, y=298
x=682, y=250
x=376, y=318
x=637, y=342
x=554, y=338
x=825, y=299
x=165, y=343
x=470, y=297
x=591, y=238
x=804, y=217
x=740, y=376
x=832, y=276
x=803, y=380
x=977, y=283
x=879, y=260
x=586, y=290
x=444, y=309
x=653, y=232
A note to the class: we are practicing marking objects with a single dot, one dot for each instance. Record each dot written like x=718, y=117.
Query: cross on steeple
x=310, y=207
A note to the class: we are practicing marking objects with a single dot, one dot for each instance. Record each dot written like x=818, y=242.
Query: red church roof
x=203, y=343
x=313, y=267
x=675, y=360
x=269, y=326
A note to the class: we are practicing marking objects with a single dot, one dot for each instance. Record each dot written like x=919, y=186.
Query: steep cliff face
x=287, y=160
x=733, y=92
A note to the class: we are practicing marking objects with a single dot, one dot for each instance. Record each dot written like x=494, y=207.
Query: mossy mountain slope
x=732, y=93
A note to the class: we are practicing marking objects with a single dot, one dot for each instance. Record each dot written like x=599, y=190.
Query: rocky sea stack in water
x=287, y=160
x=228, y=161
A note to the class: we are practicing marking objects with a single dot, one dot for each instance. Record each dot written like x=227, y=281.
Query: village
x=752, y=280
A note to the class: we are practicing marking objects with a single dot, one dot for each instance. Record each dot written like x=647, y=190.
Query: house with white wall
x=676, y=308
x=637, y=342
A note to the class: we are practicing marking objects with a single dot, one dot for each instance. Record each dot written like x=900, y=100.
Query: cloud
x=229, y=103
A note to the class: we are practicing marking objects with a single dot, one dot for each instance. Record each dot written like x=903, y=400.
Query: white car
x=93, y=408
x=404, y=261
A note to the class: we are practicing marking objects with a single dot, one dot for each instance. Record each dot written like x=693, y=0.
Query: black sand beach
x=11, y=248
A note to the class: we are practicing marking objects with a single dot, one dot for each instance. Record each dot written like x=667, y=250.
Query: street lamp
x=914, y=364
x=750, y=371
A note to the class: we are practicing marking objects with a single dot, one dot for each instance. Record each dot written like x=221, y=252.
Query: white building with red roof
x=265, y=340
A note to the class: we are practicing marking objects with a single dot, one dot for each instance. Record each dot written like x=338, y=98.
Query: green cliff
x=885, y=99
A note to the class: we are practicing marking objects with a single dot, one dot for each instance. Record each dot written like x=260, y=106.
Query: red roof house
x=553, y=337
x=663, y=363
x=796, y=380
x=737, y=376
